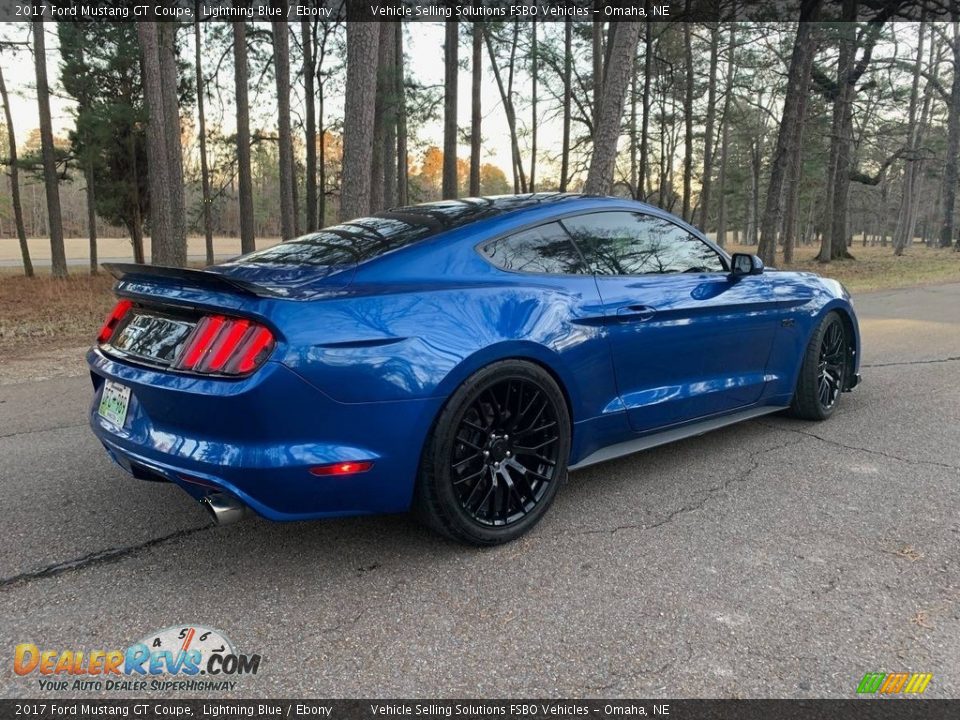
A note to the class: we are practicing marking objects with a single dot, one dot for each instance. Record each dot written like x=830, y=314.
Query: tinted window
x=623, y=243
x=345, y=244
x=543, y=249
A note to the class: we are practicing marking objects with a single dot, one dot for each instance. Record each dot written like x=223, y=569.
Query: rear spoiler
x=197, y=278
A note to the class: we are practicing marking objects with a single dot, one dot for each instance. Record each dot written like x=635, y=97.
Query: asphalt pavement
x=776, y=558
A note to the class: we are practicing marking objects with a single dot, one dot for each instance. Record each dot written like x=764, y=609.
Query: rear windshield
x=366, y=238
x=343, y=245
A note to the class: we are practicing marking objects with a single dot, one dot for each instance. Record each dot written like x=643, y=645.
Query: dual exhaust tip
x=225, y=509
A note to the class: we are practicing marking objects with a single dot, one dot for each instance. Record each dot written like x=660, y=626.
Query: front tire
x=496, y=456
x=823, y=374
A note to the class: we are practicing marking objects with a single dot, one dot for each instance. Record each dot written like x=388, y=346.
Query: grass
x=876, y=268
x=45, y=314
x=42, y=313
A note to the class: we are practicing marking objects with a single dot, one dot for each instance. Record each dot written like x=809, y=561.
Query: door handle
x=639, y=313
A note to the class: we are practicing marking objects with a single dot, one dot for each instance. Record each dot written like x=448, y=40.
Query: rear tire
x=823, y=374
x=496, y=456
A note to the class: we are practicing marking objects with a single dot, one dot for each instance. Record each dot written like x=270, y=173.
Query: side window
x=543, y=249
x=625, y=243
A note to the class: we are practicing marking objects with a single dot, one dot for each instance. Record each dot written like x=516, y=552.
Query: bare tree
x=402, y=174
x=948, y=226
x=15, y=181
x=644, y=178
x=801, y=62
x=244, y=174
x=451, y=68
x=176, y=254
x=687, y=117
x=567, y=92
x=204, y=167
x=534, y=76
x=161, y=228
x=725, y=136
x=506, y=97
x=607, y=133
x=476, y=116
x=388, y=149
x=281, y=58
x=709, y=128
x=362, y=53
x=58, y=258
x=310, y=124
x=906, y=215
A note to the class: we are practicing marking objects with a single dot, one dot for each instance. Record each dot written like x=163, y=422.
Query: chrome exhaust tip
x=225, y=509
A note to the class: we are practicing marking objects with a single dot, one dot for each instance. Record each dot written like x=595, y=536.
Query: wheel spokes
x=506, y=452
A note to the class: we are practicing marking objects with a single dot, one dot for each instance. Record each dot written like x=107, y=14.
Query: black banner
x=462, y=10
x=874, y=709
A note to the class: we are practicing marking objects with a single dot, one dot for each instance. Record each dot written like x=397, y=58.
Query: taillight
x=113, y=319
x=225, y=346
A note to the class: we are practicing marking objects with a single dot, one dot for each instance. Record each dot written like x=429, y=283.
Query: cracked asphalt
x=776, y=558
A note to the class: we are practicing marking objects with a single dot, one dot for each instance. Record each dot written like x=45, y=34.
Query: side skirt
x=663, y=437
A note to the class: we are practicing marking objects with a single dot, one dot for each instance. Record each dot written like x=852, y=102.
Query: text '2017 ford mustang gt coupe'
x=457, y=357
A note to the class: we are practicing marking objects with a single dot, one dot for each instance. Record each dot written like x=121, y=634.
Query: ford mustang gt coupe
x=457, y=358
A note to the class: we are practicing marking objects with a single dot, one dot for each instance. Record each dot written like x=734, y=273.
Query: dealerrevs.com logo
x=181, y=657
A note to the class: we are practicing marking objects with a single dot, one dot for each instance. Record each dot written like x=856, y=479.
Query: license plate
x=114, y=403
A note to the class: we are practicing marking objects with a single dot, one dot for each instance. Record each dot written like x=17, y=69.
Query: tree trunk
x=607, y=133
x=91, y=217
x=903, y=232
x=725, y=139
x=58, y=258
x=388, y=149
x=450, y=47
x=244, y=174
x=379, y=105
x=801, y=63
x=533, y=106
x=15, y=181
x=520, y=180
x=476, y=116
x=310, y=125
x=281, y=56
x=597, y=30
x=634, y=173
x=708, y=129
x=567, y=92
x=362, y=53
x=687, y=117
x=403, y=197
x=204, y=168
x=161, y=228
x=644, y=179
x=169, y=84
x=948, y=226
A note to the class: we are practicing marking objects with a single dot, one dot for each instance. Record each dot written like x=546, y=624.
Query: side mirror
x=745, y=264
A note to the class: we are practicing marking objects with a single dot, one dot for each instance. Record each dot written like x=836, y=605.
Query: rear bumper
x=257, y=438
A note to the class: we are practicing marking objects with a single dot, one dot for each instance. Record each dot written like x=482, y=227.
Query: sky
x=424, y=49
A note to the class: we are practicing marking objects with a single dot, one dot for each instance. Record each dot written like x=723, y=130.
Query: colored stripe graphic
x=893, y=683
x=871, y=682
x=918, y=683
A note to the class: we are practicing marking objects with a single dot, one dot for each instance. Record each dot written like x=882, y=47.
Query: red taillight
x=343, y=468
x=228, y=346
x=113, y=319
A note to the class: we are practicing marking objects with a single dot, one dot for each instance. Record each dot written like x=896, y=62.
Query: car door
x=688, y=340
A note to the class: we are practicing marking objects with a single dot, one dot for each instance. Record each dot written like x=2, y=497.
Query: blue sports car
x=455, y=357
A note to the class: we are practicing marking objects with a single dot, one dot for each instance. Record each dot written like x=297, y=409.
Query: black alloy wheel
x=497, y=455
x=823, y=373
x=831, y=368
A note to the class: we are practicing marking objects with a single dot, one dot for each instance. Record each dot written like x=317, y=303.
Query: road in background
x=776, y=558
